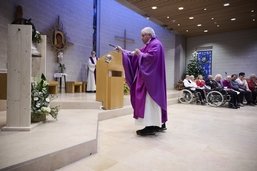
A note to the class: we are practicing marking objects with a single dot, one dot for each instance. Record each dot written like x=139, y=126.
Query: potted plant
x=40, y=101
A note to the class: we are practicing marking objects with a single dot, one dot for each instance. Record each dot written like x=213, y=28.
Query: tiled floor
x=199, y=138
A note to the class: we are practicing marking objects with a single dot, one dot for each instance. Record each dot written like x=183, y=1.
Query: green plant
x=40, y=101
x=194, y=67
x=36, y=37
x=126, y=89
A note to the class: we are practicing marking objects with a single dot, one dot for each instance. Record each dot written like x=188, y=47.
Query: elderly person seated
x=217, y=84
x=252, y=84
x=243, y=86
x=209, y=81
x=189, y=83
x=235, y=86
x=233, y=103
x=200, y=82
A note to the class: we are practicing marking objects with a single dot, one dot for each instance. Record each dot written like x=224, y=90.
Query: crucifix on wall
x=124, y=39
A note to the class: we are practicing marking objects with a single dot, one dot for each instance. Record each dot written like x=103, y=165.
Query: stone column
x=19, y=78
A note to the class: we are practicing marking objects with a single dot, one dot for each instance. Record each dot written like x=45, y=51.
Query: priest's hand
x=137, y=52
x=118, y=48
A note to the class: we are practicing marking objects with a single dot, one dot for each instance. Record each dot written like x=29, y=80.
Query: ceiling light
x=226, y=4
x=205, y=31
x=168, y=17
x=178, y=24
x=154, y=7
x=191, y=18
x=199, y=25
x=148, y=18
x=253, y=19
x=252, y=10
x=212, y=18
x=186, y=30
x=215, y=22
x=233, y=19
x=180, y=8
x=218, y=25
x=205, y=9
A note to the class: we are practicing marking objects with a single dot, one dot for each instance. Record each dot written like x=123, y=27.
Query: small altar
x=58, y=77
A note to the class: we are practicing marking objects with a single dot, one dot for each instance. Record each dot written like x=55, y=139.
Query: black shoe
x=146, y=131
x=202, y=103
x=156, y=129
x=232, y=106
x=164, y=126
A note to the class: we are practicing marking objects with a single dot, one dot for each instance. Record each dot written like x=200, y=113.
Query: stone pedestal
x=19, y=77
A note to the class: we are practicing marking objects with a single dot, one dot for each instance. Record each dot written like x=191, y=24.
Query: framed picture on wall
x=59, y=39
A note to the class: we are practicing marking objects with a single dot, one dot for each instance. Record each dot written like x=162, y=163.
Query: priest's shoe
x=146, y=131
x=156, y=128
x=159, y=129
x=164, y=126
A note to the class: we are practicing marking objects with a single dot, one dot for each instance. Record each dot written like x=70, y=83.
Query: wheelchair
x=214, y=98
x=188, y=96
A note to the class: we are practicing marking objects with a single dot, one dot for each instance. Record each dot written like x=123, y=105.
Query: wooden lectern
x=3, y=85
x=110, y=80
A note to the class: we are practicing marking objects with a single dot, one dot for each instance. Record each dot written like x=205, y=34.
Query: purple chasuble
x=146, y=73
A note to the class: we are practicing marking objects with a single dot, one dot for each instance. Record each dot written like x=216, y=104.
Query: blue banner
x=205, y=58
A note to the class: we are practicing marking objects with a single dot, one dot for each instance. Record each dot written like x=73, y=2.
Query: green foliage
x=126, y=89
x=194, y=67
x=40, y=101
x=36, y=37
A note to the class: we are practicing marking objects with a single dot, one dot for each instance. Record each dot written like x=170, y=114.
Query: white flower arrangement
x=40, y=101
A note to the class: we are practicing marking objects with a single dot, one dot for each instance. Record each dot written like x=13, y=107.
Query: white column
x=19, y=78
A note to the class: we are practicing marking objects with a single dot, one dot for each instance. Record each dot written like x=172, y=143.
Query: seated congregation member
x=252, y=84
x=243, y=86
x=190, y=84
x=233, y=103
x=209, y=81
x=235, y=86
x=218, y=86
x=200, y=82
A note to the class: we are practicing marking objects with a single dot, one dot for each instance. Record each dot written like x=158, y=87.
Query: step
x=77, y=104
x=52, y=145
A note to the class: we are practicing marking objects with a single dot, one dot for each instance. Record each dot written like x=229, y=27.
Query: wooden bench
x=52, y=87
x=73, y=87
x=84, y=86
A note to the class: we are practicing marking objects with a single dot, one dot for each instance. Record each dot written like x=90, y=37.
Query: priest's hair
x=148, y=30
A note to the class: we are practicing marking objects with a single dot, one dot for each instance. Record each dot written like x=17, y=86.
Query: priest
x=91, y=73
x=145, y=75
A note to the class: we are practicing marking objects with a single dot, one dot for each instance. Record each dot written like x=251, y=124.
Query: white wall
x=115, y=18
x=233, y=52
x=76, y=17
x=180, y=49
